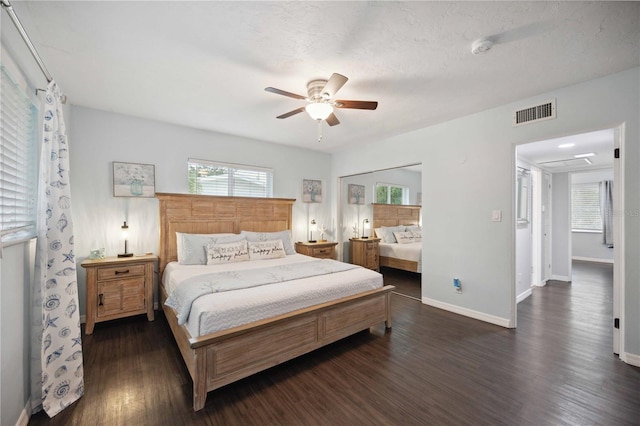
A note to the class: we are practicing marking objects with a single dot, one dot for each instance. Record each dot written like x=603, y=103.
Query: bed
x=401, y=218
x=219, y=357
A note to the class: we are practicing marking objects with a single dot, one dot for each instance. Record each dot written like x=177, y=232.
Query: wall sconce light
x=125, y=235
x=312, y=227
x=365, y=225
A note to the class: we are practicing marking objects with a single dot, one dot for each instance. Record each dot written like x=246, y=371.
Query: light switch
x=496, y=216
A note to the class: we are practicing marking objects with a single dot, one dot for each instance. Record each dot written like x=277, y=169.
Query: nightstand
x=365, y=252
x=118, y=287
x=320, y=249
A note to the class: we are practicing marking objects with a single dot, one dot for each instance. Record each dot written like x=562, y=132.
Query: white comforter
x=220, y=311
x=411, y=251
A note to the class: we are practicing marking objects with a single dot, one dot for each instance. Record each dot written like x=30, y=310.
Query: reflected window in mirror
x=389, y=193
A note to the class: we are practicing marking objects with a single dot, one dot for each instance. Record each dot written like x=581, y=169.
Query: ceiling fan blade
x=290, y=113
x=283, y=93
x=356, y=104
x=334, y=84
x=332, y=120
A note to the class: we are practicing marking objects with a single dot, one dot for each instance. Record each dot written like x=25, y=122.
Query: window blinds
x=214, y=178
x=585, y=207
x=18, y=160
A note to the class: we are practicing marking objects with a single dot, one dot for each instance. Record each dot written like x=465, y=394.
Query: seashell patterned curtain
x=57, y=369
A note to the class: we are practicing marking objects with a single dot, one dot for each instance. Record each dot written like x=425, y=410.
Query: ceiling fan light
x=319, y=110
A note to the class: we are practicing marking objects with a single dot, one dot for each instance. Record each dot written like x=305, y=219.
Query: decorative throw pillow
x=417, y=236
x=266, y=250
x=386, y=233
x=285, y=236
x=227, y=252
x=192, y=248
x=404, y=237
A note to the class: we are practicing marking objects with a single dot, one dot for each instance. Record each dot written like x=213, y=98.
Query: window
x=388, y=193
x=212, y=178
x=585, y=207
x=18, y=161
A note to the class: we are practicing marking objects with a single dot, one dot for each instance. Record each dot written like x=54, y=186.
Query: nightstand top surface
x=317, y=243
x=114, y=260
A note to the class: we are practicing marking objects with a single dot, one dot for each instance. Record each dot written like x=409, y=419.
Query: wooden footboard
x=224, y=357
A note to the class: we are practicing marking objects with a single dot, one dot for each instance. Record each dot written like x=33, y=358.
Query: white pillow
x=404, y=237
x=285, y=236
x=417, y=236
x=414, y=228
x=227, y=252
x=266, y=250
x=386, y=233
x=192, y=248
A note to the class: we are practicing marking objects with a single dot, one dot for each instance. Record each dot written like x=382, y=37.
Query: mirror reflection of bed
x=400, y=233
x=401, y=212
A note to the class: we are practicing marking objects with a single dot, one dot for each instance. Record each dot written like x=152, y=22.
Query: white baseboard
x=540, y=284
x=502, y=322
x=560, y=278
x=523, y=295
x=631, y=359
x=592, y=259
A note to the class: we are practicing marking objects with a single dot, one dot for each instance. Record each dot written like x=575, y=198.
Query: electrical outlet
x=457, y=285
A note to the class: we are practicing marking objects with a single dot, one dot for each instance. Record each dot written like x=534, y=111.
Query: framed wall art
x=356, y=194
x=311, y=191
x=133, y=180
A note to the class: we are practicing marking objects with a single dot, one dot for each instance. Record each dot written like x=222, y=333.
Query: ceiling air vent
x=545, y=111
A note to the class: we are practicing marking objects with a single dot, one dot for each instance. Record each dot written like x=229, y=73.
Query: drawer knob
x=122, y=272
x=100, y=302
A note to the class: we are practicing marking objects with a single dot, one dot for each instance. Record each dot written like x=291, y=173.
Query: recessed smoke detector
x=481, y=46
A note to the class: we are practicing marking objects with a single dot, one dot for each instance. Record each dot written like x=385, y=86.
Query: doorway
x=552, y=163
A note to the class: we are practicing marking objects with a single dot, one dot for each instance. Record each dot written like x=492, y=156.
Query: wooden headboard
x=205, y=214
x=393, y=215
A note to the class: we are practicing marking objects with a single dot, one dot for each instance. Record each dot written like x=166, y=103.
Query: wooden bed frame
x=394, y=215
x=220, y=358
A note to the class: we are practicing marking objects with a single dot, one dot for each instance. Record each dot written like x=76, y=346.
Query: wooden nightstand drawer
x=107, y=273
x=323, y=252
x=320, y=250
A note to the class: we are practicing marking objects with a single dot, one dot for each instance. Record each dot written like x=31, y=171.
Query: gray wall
x=468, y=171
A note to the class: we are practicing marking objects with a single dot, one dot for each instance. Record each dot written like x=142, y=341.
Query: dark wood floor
x=434, y=367
x=407, y=283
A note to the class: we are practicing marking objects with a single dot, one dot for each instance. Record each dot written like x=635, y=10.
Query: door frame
x=618, y=228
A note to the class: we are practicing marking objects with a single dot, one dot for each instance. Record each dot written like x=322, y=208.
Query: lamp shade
x=313, y=227
x=319, y=110
x=365, y=225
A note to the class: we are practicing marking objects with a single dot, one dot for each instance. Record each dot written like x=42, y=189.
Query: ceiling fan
x=320, y=102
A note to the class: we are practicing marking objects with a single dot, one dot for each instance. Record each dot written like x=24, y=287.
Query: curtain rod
x=7, y=6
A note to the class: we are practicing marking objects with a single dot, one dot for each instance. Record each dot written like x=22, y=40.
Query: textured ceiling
x=206, y=64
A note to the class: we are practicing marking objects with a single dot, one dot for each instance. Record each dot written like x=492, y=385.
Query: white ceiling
x=551, y=156
x=205, y=64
